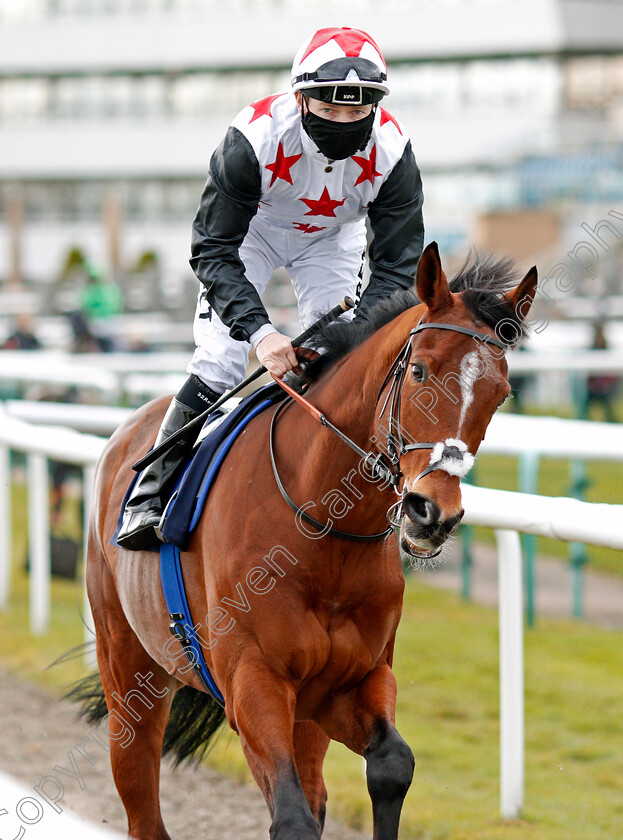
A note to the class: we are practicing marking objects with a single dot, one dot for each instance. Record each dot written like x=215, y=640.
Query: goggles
x=339, y=69
x=345, y=94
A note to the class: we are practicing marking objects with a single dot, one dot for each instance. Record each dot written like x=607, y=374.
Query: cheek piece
x=337, y=140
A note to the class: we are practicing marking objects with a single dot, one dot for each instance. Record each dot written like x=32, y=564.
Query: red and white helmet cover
x=340, y=57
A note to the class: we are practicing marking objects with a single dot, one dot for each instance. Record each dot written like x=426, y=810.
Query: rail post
x=511, y=674
x=39, y=542
x=88, y=484
x=529, y=483
x=5, y=526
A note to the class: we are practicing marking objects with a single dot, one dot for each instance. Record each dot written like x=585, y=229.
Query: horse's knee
x=292, y=817
x=299, y=826
x=389, y=765
x=322, y=814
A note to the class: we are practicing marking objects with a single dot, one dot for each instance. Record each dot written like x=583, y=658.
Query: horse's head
x=448, y=380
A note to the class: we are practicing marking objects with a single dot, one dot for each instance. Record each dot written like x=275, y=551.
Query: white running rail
x=28, y=813
x=507, y=513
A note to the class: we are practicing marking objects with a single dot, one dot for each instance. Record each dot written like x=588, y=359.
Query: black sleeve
x=398, y=230
x=228, y=204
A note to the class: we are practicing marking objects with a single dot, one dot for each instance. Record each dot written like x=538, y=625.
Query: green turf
x=20, y=651
x=448, y=711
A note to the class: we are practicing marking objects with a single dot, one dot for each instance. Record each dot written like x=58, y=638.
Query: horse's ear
x=522, y=295
x=431, y=283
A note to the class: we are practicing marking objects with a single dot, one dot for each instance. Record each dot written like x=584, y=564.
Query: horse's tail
x=195, y=717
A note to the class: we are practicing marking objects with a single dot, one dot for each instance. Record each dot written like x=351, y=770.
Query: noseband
x=396, y=445
x=446, y=452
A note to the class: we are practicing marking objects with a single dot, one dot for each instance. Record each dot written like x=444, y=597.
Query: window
x=23, y=99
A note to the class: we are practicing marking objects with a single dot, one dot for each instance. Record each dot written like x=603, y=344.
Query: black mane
x=482, y=279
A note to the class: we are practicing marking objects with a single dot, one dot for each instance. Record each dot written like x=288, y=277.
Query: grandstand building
x=110, y=109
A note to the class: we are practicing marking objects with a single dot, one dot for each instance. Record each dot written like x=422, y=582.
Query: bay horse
x=297, y=622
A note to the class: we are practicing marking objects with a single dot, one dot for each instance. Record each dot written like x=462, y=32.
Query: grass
x=446, y=665
x=28, y=655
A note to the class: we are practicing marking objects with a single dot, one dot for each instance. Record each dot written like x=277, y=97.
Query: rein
x=345, y=535
x=395, y=444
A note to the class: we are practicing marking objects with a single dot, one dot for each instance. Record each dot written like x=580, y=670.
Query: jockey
x=291, y=185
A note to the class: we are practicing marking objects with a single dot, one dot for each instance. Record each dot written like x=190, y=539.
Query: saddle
x=183, y=511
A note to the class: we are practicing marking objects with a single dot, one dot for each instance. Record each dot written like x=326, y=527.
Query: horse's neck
x=349, y=393
x=319, y=463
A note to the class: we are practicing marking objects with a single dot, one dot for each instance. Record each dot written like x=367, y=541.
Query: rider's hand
x=276, y=353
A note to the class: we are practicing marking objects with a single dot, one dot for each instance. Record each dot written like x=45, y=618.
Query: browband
x=489, y=339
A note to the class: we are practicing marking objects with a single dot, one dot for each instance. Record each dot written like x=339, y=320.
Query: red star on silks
x=262, y=107
x=350, y=40
x=387, y=117
x=323, y=206
x=368, y=167
x=306, y=227
x=282, y=165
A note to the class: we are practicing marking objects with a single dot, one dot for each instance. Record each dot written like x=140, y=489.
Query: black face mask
x=338, y=140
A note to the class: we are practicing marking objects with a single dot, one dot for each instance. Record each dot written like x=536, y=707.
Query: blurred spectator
x=23, y=336
x=99, y=299
x=84, y=340
x=139, y=344
x=60, y=472
x=602, y=389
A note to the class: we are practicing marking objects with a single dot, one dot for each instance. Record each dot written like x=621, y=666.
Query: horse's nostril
x=421, y=510
x=452, y=523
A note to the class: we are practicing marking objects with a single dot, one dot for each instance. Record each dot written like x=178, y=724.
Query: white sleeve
x=258, y=335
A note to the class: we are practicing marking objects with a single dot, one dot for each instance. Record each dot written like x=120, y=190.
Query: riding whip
x=186, y=431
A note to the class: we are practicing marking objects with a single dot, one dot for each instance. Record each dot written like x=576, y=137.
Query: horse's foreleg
x=261, y=709
x=363, y=719
x=310, y=747
x=138, y=696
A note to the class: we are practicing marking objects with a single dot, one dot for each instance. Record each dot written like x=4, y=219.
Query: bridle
x=385, y=467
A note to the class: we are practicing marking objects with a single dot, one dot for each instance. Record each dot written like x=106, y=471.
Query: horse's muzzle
x=424, y=524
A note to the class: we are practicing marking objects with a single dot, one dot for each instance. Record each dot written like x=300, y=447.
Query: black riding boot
x=143, y=510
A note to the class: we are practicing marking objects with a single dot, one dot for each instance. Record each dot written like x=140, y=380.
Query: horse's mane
x=483, y=280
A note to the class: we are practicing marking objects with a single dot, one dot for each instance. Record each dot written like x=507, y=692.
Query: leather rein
x=395, y=444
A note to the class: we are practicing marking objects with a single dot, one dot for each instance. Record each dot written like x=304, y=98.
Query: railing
x=39, y=444
x=113, y=376
x=58, y=823
x=506, y=512
x=526, y=438
x=138, y=374
x=531, y=438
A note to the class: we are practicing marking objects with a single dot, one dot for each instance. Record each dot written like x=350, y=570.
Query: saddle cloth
x=184, y=509
x=183, y=512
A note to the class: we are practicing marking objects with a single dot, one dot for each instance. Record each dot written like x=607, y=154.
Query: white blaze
x=471, y=371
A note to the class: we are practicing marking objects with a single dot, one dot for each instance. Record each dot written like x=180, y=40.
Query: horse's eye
x=418, y=372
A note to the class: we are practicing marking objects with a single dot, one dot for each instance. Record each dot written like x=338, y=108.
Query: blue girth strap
x=182, y=626
x=182, y=517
